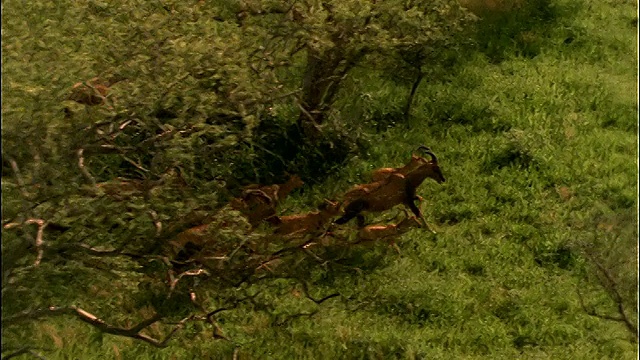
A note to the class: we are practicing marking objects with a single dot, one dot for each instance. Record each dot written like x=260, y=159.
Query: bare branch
x=18, y=175
x=290, y=93
x=83, y=169
x=288, y=318
x=156, y=222
x=104, y=149
x=135, y=164
x=25, y=350
x=38, y=243
x=173, y=281
x=35, y=314
x=611, y=285
x=305, y=290
x=305, y=112
x=124, y=124
x=85, y=316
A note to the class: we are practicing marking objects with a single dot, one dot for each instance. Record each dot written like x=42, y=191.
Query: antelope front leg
x=427, y=226
x=418, y=214
x=395, y=246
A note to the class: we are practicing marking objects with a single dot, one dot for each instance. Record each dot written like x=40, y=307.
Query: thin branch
x=135, y=164
x=306, y=113
x=156, y=222
x=212, y=313
x=85, y=316
x=612, y=285
x=22, y=351
x=18, y=175
x=305, y=290
x=104, y=149
x=83, y=169
x=34, y=315
x=235, y=251
x=173, y=281
x=38, y=240
x=294, y=316
x=281, y=96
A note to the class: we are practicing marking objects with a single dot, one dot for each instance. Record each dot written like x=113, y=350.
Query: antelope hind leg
x=352, y=210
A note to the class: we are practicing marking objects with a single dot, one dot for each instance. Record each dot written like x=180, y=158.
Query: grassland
x=540, y=154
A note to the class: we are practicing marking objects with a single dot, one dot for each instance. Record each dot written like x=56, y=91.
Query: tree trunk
x=416, y=83
x=322, y=78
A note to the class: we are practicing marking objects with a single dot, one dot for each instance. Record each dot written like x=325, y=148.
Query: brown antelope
x=276, y=192
x=190, y=242
x=92, y=92
x=305, y=223
x=394, y=190
x=381, y=232
x=387, y=232
x=259, y=202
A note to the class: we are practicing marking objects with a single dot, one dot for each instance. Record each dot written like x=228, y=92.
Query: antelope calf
x=305, y=223
x=381, y=232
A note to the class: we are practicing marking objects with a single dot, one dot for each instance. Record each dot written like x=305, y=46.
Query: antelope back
x=383, y=173
x=376, y=232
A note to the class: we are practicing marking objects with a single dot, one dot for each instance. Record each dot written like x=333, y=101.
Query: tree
x=97, y=190
x=334, y=37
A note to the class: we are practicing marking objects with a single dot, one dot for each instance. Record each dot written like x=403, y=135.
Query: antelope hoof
x=429, y=228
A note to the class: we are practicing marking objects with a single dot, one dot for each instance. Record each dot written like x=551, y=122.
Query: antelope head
x=433, y=170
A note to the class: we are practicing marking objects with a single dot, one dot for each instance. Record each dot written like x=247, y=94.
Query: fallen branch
x=305, y=290
x=288, y=318
x=38, y=241
x=22, y=351
x=85, y=316
x=135, y=164
x=173, y=281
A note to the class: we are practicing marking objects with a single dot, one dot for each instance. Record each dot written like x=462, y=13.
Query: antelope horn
x=434, y=159
x=428, y=151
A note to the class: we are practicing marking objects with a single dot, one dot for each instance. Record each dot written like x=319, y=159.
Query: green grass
x=537, y=152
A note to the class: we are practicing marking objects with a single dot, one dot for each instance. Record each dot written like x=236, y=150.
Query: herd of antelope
x=390, y=187
x=259, y=204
